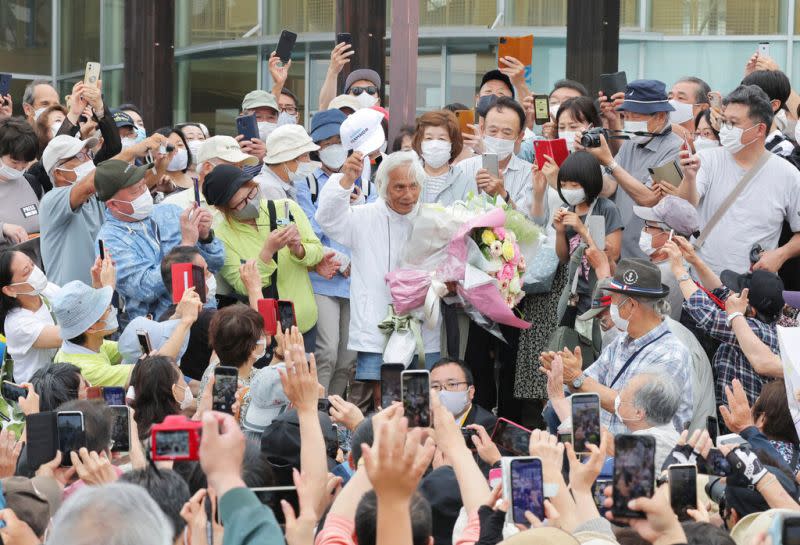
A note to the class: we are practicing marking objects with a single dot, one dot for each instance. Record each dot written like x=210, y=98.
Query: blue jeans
x=368, y=364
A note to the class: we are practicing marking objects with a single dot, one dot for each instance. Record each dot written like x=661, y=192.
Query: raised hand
x=737, y=415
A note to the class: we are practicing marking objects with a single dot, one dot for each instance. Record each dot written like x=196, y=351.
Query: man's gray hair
x=395, y=160
x=659, y=397
x=27, y=96
x=112, y=514
x=660, y=306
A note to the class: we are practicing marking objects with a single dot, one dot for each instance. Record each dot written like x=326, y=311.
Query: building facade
x=222, y=46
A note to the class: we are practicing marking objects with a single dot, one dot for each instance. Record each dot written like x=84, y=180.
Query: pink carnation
x=507, y=272
x=500, y=232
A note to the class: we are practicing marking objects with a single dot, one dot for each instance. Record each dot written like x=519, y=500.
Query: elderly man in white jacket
x=377, y=234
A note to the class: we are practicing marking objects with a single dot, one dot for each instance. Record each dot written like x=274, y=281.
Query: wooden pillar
x=149, y=59
x=592, y=40
x=403, y=72
x=365, y=20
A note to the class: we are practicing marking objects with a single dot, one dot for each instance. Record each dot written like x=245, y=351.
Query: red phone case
x=182, y=280
x=557, y=149
x=268, y=308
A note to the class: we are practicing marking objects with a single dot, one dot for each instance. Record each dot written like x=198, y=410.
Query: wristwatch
x=209, y=239
x=578, y=382
x=609, y=168
x=729, y=319
x=684, y=277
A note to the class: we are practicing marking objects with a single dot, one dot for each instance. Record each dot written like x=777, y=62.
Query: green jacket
x=247, y=520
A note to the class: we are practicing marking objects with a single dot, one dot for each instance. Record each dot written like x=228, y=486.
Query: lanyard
x=633, y=357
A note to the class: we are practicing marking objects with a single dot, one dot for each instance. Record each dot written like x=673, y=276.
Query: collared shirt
x=636, y=159
x=729, y=360
x=667, y=354
x=454, y=185
x=102, y=368
x=274, y=188
x=138, y=248
x=517, y=177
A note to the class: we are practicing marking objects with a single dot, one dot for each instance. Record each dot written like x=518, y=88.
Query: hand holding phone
x=226, y=382
x=286, y=45
x=416, y=394
x=634, y=472
x=527, y=488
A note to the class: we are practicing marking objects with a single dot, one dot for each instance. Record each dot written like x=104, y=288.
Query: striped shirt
x=517, y=178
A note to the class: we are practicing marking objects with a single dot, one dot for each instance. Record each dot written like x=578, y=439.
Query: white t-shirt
x=22, y=328
x=757, y=215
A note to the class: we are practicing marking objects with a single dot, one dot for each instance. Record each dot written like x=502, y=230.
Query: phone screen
x=713, y=428
x=791, y=530
x=512, y=438
x=541, y=108
x=286, y=315
x=598, y=495
x=585, y=421
x=526, y=489
x=683, y=489
x=272, y=496
x=12, y=392
x=390, y=383
x=172, y=443
x=70, y=435
x=634, y=472
x=417, y=398
x=120, y=429
x=114, y=395
x=226, y=380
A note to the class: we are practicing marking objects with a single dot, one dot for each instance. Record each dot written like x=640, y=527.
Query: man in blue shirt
x=139, y=234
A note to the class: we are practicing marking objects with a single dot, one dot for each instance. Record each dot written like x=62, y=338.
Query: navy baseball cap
x=766, y=290
x=646, y=96
x=122, y=119
x=499, y=76
x=326, y=123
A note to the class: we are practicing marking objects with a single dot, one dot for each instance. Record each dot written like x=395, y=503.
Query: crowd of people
x=662, y=297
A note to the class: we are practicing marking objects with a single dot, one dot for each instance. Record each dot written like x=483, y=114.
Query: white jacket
x=376, y=236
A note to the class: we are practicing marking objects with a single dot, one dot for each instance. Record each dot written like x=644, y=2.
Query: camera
x=468, y=433
x=591, y=138
x=715, y=488
x=176, y=438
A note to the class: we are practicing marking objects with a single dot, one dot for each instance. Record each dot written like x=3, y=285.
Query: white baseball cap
x=63, y=147
x=225, y=148
x=362, y=131
x=267, y=399
x=345, y=101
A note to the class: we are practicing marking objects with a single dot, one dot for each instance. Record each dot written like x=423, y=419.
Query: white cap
x=63, y=147
x=362, y=131
x=345, y=101
x=225, y=148
x=267, y=399
x=288, y=142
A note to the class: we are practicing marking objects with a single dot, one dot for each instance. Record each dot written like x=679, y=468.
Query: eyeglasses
x=289, y=109
x=705, y=133
x=371, y=90
x=448, y=386
x=85, y=155
x=729, y=125
x=250, y=197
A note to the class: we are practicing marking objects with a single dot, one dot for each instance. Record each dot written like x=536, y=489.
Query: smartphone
x=94, y=392
x=669, y=172
x=465, y=119
x=596, y=225
x=144, y=341
x=185, y=276
x=557, y=149
x=102, y=247
x=92, y=73
x=490, y=163
x=585, y=421
x=285, y=45
x=634, y=472
x=271, y=496
x=12, y=392
x=42, y=437
x=226, y=381
x=268, y=308
x=763, y=49
x=286, y=315
x=199, y=282
x=682, y=489
x=564, y=437
x=541, y=109
x=519, y=47
x=247, y=126
x=323, y=405
x=5, y=84
x=416, y=397
x=71, y=434
x=599, y=497
x=713, y=428
x=120, y=428
x=511, y=437
x=527, y=488
x=391, y=389
x=197, y=191
x=344, y=37
x=114, y=395
x=612, y=84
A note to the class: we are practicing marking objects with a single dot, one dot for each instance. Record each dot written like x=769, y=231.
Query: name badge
x=29, y=210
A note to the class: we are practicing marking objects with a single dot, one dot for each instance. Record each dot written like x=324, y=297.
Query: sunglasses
x=371, y=90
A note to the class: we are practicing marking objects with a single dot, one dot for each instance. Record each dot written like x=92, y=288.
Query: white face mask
x=287, y=119
x=37, y=113
x=211, y=288
x=637, y=126
x=128, y=142
x=9, y=174
x=54, y=128
x=554, y=110
x=573, y=197
x=265, y=128
x=731, y=139
x=682, y=112
x=705, y=143
x=194, y=148
x=366, y=100
x=435, y=153
x=619, y=321
x=617, y=403
x=333, y=156
x=502, y=147
x=81, y=171
x=188, y=398
x=179, y=161
x=455, y=402
x=36, y=280
x=142, y=206
x=646, y=243
x=569, y=136
x=304, y=169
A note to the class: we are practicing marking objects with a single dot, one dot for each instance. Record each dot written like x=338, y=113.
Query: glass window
x=79, y=34
x=202, y=21
x=711, y=17
x=17, y=89
x=113, y=32
x=452, y=12
x=25, y=39
x=464, y=72
x=296, y=81
x=300, y=16
x=429, y=81
x=113, y=80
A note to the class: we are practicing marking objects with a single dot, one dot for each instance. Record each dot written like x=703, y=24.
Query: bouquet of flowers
x=508, y=264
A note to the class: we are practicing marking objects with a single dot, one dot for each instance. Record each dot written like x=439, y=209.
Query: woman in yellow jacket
x=276, y=234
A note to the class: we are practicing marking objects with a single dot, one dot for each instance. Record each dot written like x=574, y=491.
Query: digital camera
x=591, y=138
x=176, y=438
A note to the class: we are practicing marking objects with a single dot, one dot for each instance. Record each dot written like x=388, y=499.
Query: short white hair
x=396, y=160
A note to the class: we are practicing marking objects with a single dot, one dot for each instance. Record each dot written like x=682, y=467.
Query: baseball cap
x=326, y=124
x=288, y=142
x=122, y=119
x=34, y=501
x=674, y=212
x=537, y=536
x=78, y=306
x=259, y=99
x=158, y=332
x=362, y=73
x=267, y=399
x=280, y=443
x=495, y=74
x=646, y=96
x=344, y=101
x=115, y=174
x=766, y=290
x=64, y=147
x=638, y=278
x=753, y=524
x=225, y=148
x=600, y=301
x=362, y=131
x=223, y=182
